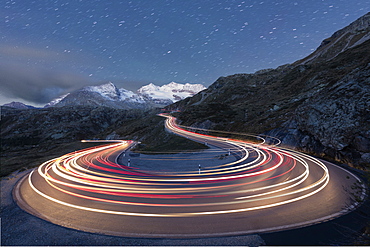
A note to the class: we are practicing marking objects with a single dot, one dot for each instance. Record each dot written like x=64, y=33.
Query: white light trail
x=270, y=177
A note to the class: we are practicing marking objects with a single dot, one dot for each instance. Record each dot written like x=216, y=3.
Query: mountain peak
x=19, y=105
x=171, y=92
x=108, y=90
x=348, y=37
x=173, y=83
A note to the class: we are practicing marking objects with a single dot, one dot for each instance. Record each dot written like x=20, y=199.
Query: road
x=266, y=188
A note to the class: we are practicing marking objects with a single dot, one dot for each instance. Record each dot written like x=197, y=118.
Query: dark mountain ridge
x=350, y=36
x=19, y=105
x=319, y=105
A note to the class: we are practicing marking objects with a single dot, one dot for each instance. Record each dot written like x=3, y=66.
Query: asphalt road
x=264, y=189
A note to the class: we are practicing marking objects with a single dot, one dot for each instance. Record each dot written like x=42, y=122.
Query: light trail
x=269, y=178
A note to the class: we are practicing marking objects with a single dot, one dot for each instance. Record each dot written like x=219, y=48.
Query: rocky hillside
x=320, y=104
x=30, y=134
x=30, y=137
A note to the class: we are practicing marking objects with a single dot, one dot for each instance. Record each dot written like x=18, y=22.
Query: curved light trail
x=262, y=177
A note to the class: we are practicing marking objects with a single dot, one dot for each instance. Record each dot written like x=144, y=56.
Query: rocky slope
x=353, y=35
x=320, y=104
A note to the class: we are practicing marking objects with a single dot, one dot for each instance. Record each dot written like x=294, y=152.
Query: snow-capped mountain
x=102, y=95
x=111, y=92
x=146, y=97
x=108, y=90
x=170, y=93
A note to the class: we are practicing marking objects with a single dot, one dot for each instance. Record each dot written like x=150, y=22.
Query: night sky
x=49, y=47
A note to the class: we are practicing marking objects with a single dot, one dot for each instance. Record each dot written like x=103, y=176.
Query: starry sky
x=50, y=47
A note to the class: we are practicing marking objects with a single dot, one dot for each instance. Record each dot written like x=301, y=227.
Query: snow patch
x=108, y=90
x=56, y=101
x=172, y=91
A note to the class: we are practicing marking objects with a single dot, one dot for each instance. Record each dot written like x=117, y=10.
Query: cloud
x=37, y=75
x=25, y=52
x=36, y=84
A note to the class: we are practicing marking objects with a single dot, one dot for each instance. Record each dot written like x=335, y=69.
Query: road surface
x=265, y=188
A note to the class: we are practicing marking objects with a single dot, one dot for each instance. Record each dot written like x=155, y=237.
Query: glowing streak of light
x=95, y=171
